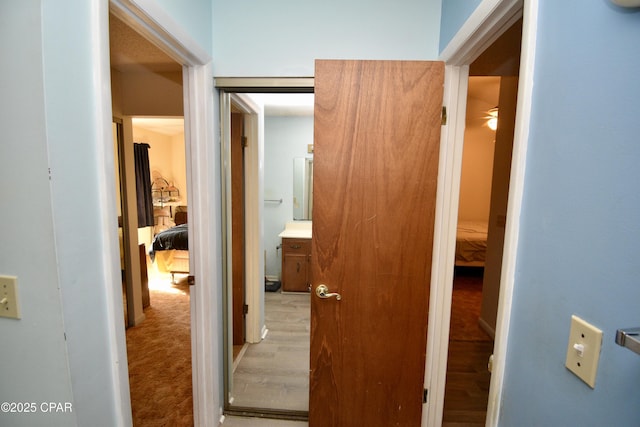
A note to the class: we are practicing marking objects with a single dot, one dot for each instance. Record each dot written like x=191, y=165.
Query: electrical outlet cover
x=583, y=350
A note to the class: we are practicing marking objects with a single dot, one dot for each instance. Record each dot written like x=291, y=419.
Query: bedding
x=471, y=244
x=171, y=238
x=169, y=251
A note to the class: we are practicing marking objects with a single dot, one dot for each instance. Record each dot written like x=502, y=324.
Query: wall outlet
x=583, y=350
x=9, y=306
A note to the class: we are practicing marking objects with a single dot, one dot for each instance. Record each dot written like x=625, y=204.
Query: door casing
x=490, y=19
x=152, y=22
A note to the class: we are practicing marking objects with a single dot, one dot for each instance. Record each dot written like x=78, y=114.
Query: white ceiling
x=169, y=126
x=285, y=104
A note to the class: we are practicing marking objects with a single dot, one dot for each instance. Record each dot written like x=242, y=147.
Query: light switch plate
x=583, y=351
x=9, y=306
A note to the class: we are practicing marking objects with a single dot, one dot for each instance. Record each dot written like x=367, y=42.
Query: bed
x=170, y=251
x=471, y=244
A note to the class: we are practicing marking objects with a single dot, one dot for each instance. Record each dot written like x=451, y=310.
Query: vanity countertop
x=297, y=230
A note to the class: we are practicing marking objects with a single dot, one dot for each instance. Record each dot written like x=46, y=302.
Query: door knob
x=323, y=292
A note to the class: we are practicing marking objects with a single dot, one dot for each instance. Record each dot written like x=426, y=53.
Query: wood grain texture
x=237, y=226
x=295, y=264
x=377, y=134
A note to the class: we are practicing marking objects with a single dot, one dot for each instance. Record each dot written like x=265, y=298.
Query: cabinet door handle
x=298, y=266
x=295, y=246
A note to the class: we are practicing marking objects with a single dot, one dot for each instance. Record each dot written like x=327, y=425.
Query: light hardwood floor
x=274, y=373
x=261, y=422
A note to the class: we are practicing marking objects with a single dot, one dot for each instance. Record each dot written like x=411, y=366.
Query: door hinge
x=245, y=142
x=191, y=280
x=444, y=116
x=245, y=309
x=425, y=392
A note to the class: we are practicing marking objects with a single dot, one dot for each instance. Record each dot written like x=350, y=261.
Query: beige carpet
x=159, y=354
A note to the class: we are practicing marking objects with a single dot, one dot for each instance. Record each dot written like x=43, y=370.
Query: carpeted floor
x=159, y=354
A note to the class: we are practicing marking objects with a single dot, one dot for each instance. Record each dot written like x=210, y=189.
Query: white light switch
x=9, y=306
x=583, y=351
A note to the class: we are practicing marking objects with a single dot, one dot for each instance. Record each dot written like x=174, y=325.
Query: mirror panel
x=302, y=188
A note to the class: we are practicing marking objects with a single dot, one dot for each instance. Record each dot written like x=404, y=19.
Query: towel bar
x=629, y=338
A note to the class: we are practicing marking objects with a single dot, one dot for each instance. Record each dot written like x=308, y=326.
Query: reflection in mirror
x=269, y=373
x=302, y=188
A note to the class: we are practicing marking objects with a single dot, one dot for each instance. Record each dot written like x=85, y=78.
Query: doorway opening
x=484, y=188
x=153, y=193
x=189, y=90
x=267, y=324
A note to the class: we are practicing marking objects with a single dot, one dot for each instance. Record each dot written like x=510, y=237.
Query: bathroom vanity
x=296, y=256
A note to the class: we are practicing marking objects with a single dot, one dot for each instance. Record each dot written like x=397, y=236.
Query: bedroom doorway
x=158, y=304
x=482, y=210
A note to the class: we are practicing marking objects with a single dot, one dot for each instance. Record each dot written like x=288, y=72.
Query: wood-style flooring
x=274, y=373
x=285, y=350
x=467, y=383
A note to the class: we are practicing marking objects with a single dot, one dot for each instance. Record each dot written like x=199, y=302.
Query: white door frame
x=254, y=206
x=153, y=23
x=490, y=19
x=254, y=243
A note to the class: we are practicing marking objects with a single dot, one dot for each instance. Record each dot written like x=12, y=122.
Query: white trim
x=206, y=323
x=147, y=18
x=514, y=209
x=254, y=206
x=485, y=25
x=444, y=240
x=485, y=326
x=154, y=24
x=490, y=19
x=116, y=335
x=227, y=266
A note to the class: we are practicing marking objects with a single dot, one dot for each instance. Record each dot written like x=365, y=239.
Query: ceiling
x=130, y=52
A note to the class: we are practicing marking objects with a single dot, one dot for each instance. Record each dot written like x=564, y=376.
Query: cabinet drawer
x=296, y=246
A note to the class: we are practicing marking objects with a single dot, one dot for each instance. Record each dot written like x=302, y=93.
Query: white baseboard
x=236, y=362
x=487, y=328
x=139, y=319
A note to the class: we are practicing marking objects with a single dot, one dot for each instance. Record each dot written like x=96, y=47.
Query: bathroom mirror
x=302, y=188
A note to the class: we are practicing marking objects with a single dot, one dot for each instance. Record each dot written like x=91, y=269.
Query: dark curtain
x=143, y=185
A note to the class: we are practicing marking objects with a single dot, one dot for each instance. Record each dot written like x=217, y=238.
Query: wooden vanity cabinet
x=296, y=269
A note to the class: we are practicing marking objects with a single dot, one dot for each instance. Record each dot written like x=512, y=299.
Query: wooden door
x=377, y=135
x=237, y=227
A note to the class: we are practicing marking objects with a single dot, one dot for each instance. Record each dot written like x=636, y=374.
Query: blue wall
x=194, y=17
x=58, y=210
x=285, y=137
x=284, y=37
x=454, y=14
x=580, y=222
